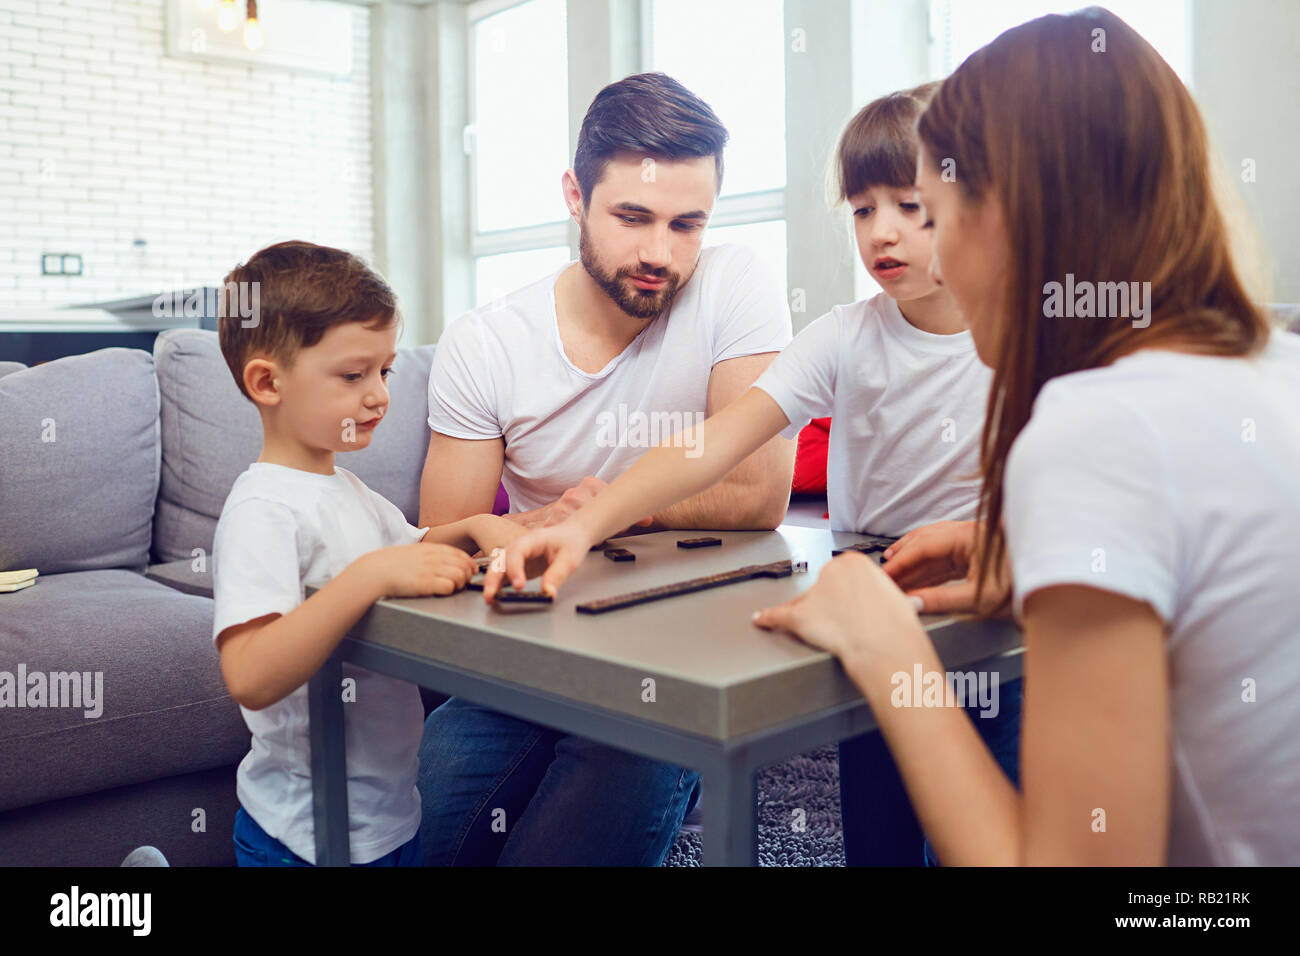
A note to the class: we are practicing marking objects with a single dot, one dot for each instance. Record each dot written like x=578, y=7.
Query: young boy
x=314, y=361
x=906, y=392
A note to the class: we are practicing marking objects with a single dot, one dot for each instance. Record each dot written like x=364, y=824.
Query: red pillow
x=810, y=458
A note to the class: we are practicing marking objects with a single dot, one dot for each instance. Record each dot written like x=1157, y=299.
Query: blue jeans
x=880, y=827
x=501, y=791
x=255, y=847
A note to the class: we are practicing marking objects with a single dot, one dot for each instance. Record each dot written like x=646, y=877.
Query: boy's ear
x=262, y=381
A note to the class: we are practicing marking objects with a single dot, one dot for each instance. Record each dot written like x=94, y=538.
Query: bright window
x=960, y=28
x=520, y=115
x=508, y=271
x=731, y=53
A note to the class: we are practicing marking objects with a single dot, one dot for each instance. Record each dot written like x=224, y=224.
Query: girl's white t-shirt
x=280, y=530
x=906, y=408
x=501, y=371
x=1174, y=479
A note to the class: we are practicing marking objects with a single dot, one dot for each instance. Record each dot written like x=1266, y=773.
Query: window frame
x=512, y=239
x=617, y=38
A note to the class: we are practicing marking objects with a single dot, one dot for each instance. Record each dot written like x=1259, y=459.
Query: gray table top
x=714, y=673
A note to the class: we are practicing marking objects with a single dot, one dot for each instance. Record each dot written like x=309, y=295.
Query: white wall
x=1246, y=80
x=104, y=140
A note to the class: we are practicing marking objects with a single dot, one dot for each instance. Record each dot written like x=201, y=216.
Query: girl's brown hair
x=879, y=145
x=1098, y=159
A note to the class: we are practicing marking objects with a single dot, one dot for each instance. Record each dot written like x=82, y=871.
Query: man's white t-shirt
x=1174, y=479
x=501, y=370
x=280, y=530
x=906, y=408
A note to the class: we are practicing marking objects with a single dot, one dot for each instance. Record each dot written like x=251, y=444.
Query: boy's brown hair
x=302, y=291
x=880, y=146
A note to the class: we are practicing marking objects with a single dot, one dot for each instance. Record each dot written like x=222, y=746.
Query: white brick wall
x=104, y=140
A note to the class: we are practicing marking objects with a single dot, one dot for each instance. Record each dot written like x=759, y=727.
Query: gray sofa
x=115, y=468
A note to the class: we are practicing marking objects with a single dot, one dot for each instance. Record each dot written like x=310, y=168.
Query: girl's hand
x=854, y=611
x=558, y=549
x=924, y=559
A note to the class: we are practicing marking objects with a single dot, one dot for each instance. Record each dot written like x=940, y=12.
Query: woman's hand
x=854, y=611
x=924, y=559
x=558, y=550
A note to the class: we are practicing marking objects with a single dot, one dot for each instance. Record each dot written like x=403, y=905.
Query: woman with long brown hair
x=1141, y=463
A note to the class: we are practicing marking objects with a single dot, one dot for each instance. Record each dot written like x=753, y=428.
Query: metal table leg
x=729, y=811
x=329, y=775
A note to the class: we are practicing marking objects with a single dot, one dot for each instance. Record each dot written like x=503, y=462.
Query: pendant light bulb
x=226, y=15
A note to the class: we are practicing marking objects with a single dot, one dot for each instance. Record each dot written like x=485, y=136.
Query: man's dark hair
x=303, y=290
x=647, y=113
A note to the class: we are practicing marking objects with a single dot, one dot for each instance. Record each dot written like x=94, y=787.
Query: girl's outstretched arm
x=678, y=468
x=685, y=464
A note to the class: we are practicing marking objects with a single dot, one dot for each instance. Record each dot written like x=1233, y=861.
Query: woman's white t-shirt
x=906, y=408
x=1174, y=479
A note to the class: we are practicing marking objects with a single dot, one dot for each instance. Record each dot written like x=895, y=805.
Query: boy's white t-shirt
x=280, y=530
x=501, y=370
x=906, y=408
x=1174, y=479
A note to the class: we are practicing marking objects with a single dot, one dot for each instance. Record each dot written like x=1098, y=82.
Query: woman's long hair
x=1100, y=162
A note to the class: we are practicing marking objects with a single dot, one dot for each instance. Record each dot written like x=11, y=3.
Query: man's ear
x=262, y=381
x=572, y=194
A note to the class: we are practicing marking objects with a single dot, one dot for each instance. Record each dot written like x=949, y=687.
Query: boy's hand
x=420, y=569
x=491, y=532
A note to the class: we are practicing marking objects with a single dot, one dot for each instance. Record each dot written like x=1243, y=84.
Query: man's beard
x=636, y=302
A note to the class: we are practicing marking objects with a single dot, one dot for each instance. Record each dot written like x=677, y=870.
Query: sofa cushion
x=8, y=367
x=79, y=470
x=810, y=454
x=163, y=708
x=210, y=434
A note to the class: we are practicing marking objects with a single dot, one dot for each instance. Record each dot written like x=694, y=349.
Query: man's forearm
x=536, y=518
x=753, y=497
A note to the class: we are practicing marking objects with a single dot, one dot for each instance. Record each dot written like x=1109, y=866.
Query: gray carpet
x=809, y=783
